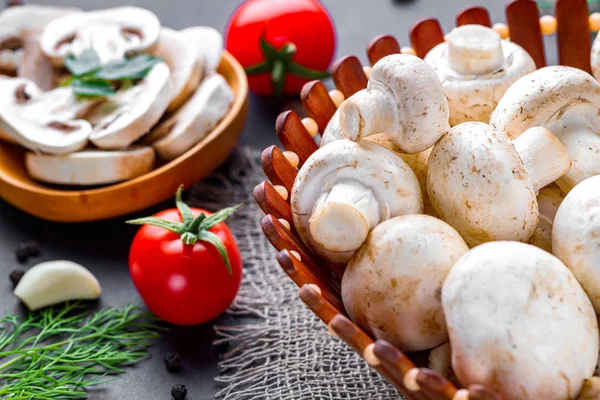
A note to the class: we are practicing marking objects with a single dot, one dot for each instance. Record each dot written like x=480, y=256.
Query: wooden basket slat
x=474, y=16
x=348, y=75
x=434, y=385
x=523, y=18
x=382, y=46
x=317, y=103
x=573, y=34
x=293, y=135
x=301, y=275
x=282, y=239
x=277, y=168
x=425, y=35
x=272, y=203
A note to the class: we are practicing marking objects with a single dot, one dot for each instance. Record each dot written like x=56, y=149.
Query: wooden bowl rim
x=237, y=107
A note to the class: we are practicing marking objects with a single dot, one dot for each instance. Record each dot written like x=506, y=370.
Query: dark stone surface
x=103, y=246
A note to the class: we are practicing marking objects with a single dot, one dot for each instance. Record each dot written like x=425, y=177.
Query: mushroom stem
x=543, y=155
x=368, y=112
x=342, y=218
x=475, y=49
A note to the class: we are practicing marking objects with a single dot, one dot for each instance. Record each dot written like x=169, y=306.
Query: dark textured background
x=103, y=246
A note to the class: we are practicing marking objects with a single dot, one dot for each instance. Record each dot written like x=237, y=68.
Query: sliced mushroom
x=476, y=67
x=181, y=55
x=576, y=236
x=48, y=122
x=91, y=167
x=549, y=199
x=209, y=42
x=485, y=186
x=564, y=100
x=347, y=188
x=519, y=323
x=404, y=100
x=112, y=33
x=196, y=119
x=132, y=112
x=392, y=286
x=23, y=23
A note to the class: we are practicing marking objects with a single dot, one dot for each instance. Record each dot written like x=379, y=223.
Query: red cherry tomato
x=184, y=284
x=282, y=44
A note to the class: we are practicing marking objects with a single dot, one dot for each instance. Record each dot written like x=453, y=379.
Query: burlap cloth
x=277, y=349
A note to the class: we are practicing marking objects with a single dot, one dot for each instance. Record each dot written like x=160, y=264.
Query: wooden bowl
x=68, y=205
x=320, y=281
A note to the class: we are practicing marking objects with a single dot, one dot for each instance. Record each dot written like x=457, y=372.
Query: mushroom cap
x=181, y=55
x=549, y=200
x=400, y=302
x=209, y=43
x=519, y=323
x=43, y=121
x=377, y=168
x=17, y=23
x=576, y=236
x=473, y=97
x=194, y=120
x=477, y=183
x=91, y=167
x=564, y=100
x=131, y=113
x=112, y=33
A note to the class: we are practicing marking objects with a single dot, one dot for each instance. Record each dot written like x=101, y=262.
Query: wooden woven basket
x=319, y=281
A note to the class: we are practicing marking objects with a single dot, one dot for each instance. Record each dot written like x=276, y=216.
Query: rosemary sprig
x=58, y=352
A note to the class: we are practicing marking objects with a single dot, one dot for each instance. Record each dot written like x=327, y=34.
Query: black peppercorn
x=179, y=392
x=172, y=361
x=22, y=253
x=33, y=248
x=16, y=275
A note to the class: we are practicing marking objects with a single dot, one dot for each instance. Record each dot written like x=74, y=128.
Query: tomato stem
x=279, y=63
x=192, y=230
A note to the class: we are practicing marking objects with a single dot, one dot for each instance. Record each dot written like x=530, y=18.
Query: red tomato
x=184, y=284
x=300, y=32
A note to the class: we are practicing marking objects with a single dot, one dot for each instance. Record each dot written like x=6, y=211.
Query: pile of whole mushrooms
x=79, y=129
x=500, y=276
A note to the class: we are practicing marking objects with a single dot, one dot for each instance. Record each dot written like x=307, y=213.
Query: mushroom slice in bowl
x=209, y=42
x=47, y=122
x=181, y=55
x=111, y=33
x=132, y=112
x=18, y=24
x=476, y=67
x=91, y=167
x=347, y=188
x=192, y=122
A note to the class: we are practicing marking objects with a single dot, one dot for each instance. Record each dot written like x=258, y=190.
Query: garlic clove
x=54, y=282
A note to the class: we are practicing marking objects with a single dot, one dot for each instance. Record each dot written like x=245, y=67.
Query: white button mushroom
x=182, y=57
x=112, y=33
x=404, y=99
x=209, y=43
x=576, y=236
x=392, y=286
x=43, y=122
x=132, y=112
x=194, y=120
x=91, y=167
x=344, y=190
x=519, y=323
x=476, y=67
x=485, y=186
x=566, y=101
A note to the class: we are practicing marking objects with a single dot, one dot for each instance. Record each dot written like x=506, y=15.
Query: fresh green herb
x=91, y=79
x=58, y=352
x=92, y=88
x=87, y=62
